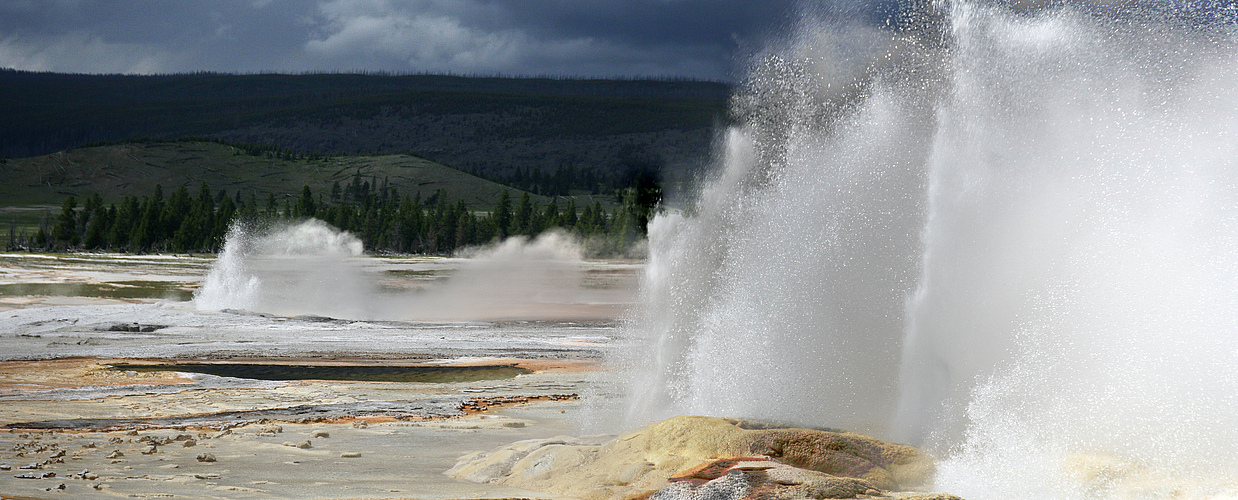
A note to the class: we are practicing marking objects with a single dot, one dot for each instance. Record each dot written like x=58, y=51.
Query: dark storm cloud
x=697, y=38
x=693, y=38
x=675, y=37
x=145, y=36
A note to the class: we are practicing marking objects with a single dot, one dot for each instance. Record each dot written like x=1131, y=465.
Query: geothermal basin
x=114, y=382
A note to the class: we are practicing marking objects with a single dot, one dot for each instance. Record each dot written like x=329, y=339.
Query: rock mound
x=704, y=457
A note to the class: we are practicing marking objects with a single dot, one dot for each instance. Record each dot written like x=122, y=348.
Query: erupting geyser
x=312, y=268
x=1008, y=235
x=303, y=268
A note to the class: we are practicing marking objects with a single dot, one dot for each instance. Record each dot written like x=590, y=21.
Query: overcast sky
x=692, y=38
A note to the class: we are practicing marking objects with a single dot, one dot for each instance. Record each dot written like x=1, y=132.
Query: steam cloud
x=310, y=268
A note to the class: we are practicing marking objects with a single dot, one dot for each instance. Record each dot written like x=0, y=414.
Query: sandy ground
x=76, y=423
x=259, y=452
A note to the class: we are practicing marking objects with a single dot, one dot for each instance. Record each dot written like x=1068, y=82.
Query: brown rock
x=765, y=480
x=820, y=464
x=887, y=466
x=846, y=454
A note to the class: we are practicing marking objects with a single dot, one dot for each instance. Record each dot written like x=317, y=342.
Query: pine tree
x=122, y=228
x=568, y=219
x=149, y=227
x=550, y=216
x=202, y=221
x=524, y=213
x=177, y=212
x=305, y=204
x=91, y=212
x=502, y=214
x=96, y=232
x=65, y=230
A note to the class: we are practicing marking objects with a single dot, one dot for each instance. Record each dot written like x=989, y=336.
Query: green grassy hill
x=135, y=168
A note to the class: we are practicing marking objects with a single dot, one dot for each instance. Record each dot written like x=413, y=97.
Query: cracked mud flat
x=78, y=421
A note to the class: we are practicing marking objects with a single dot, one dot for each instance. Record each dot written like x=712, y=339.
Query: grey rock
x=35, y=475
x=733, y=485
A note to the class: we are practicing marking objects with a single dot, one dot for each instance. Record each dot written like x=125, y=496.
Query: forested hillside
x=498, y=128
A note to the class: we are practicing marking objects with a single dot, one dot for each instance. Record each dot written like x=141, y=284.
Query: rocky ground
x=164, y=434
x=78, y=419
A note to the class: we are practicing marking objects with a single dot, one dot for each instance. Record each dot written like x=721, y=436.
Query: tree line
x=385, y=220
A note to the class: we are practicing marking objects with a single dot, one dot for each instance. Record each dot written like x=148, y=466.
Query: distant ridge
x=488, y=125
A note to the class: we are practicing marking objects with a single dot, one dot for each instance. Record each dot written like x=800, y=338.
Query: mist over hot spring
x=311, y=268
